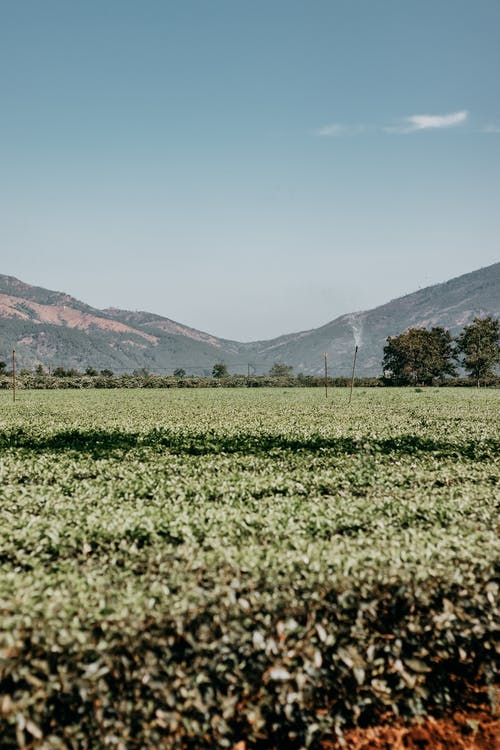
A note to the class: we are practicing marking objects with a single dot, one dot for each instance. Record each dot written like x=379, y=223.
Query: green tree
x=280, y=370
x=179, y=372
x=91, y=371
x=479, y=345
x=219, y=370
x=3, y=368
x=39, y=370
x=106, y=373
x=418, y=356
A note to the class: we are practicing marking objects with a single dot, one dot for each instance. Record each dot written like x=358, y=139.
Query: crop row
x=194, y=570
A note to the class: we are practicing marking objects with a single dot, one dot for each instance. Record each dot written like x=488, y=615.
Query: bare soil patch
x=475, y=726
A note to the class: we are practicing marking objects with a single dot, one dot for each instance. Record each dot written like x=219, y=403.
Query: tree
x=38, y=370
x=107, y=373
x=179, y=372
x=479, y=345
x=219, y=370
x=91, y=371
x=418, y=356
x=3, y=368
x=280, y=370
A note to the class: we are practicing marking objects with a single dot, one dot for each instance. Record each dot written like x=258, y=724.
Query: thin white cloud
x=336, y=130
x=413, y=123
x=330, y=131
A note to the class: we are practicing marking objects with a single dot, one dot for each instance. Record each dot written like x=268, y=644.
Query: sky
x=248, y=168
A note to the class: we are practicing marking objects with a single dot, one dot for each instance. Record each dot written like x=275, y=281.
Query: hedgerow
x=51, y=382
x=76, y=382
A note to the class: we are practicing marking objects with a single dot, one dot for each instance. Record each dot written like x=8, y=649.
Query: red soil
x=478, y=730
x=475, y=725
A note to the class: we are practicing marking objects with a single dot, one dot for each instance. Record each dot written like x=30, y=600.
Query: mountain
x=452, y=305
x=51, y=328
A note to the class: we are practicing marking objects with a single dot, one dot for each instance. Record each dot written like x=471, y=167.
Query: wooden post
x=13, y=374
x=326, y=374
x=353, y=368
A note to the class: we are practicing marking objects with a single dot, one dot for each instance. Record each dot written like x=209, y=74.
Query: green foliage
x=418, y=356
x=60, y=372
x=479, y=343
x=179, y=372
x=220, y=370
x=43, y=381
x=193, y=568
x=280, y=370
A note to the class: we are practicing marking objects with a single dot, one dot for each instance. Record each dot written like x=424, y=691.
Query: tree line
x=416, y=357
x=420, y=356
x=219, y=370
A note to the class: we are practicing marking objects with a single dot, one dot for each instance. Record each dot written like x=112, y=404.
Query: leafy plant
x=193, y=568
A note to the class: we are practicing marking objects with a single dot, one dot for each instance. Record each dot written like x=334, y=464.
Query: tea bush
x=192, y=568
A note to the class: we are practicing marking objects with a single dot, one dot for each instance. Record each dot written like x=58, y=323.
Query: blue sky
x=248, y=168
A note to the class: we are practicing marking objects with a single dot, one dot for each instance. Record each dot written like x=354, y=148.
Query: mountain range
x=54, y=329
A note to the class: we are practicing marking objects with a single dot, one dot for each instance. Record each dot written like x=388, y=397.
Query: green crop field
x=191, y=569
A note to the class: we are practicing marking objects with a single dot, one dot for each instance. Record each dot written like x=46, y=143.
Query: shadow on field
x=100, y=443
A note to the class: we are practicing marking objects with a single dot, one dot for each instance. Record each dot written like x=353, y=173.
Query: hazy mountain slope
x=159, y=326
x=53, y=329
x=452, y=305
x=12, y=286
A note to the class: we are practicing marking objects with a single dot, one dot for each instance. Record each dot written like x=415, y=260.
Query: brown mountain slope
x=62, y=315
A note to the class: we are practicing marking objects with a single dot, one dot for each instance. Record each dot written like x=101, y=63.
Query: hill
x=51, y=328
x=452, y=304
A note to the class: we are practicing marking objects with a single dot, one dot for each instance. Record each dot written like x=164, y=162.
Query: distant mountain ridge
x=54, y=329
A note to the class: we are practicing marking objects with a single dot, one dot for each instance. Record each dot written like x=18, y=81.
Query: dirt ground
x=475, y=725
x=476, y=730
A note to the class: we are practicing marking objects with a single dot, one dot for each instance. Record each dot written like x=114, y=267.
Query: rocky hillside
x=51, y=328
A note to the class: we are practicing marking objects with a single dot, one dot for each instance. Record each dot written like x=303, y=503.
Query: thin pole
x=13, y=374
x=326, y=374
x=353, y=368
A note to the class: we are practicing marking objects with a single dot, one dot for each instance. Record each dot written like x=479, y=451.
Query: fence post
x=13, y=374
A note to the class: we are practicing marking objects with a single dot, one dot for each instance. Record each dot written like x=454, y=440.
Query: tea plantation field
x=194, y=569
